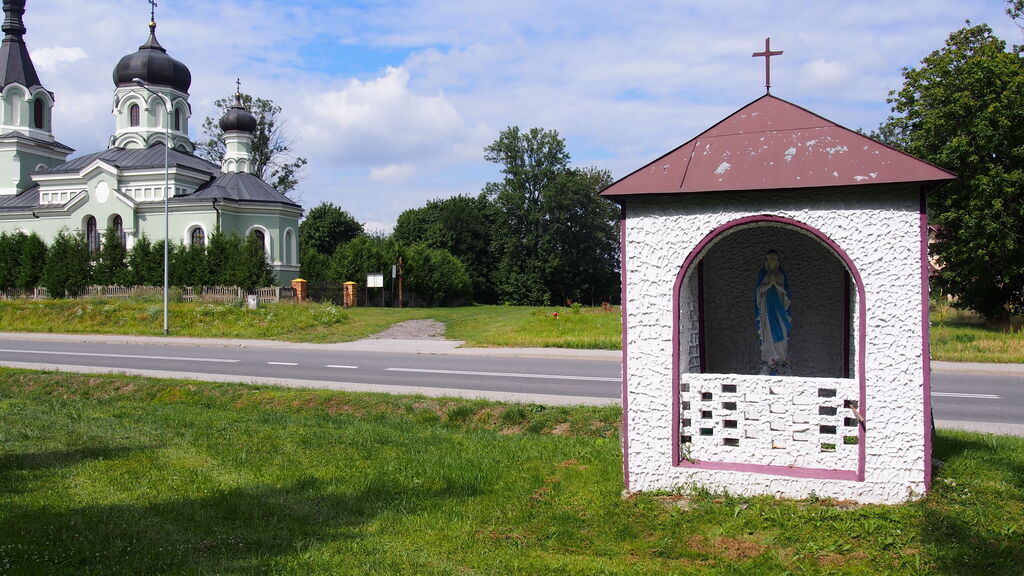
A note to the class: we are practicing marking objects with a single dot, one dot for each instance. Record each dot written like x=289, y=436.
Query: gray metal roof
x=238, y=186
x=27, y=200
x=37, y=140
x=14, y=58
x=138, y=158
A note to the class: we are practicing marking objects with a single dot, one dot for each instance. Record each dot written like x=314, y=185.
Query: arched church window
x=118, y=225
x=92, y=236
x=38, y=112
x=133, y=114
x=177, y=120
x=198, y=237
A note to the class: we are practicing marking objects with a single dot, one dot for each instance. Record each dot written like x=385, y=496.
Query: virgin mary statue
x=771, y=311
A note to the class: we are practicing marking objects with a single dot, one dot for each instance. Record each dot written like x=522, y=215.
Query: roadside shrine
x=775, y=312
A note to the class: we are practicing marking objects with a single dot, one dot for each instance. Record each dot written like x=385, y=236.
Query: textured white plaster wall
x=816, y=279
x=879, y=230
x=770, y=421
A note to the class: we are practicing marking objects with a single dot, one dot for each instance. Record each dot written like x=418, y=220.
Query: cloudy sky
x=392, y=102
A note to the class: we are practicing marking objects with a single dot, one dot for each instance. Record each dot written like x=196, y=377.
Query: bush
x=436, y=276
x=112, y=264
x=68, y=268
x=10, y=256
x=32, y=262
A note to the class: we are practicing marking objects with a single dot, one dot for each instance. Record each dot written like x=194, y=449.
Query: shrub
x=68, y=267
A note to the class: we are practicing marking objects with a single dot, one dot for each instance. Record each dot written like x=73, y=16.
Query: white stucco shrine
x=775, y=312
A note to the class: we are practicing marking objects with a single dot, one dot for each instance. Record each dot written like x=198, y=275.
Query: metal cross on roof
x=238, y=85
x=767, y=54
x=152, y=10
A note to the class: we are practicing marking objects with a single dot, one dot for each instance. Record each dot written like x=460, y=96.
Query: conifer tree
x=68, y=267
x=112, y=265
x=31, y=262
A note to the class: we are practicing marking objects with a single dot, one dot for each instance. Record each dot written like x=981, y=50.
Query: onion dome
x=237, y=118
x=152, y=64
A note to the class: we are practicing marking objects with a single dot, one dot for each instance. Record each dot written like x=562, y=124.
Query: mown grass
x=477, y=325
x=961, y=336
x=955, y=336
x=127, y=475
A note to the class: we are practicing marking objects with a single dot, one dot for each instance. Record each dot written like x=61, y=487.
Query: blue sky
x=393, y=102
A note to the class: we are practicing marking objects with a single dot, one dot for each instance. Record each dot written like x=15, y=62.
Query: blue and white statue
x=772, y=298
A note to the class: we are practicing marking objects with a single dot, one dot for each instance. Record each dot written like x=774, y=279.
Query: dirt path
x=413, y=330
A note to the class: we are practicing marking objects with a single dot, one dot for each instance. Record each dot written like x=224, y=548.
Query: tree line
x=541, y=235
x=66, y=266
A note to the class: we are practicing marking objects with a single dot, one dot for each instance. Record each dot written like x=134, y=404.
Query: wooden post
x=399, y=281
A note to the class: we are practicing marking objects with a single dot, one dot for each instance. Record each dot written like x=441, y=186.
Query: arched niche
x=716, y=301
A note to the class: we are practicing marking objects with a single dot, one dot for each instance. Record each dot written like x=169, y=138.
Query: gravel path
x=413, y=330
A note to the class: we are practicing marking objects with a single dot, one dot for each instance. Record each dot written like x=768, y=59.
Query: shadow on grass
x=14, y=466
x=957, y=525
x=243, y=530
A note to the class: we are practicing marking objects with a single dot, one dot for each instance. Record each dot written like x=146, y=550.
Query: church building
x=123, y=187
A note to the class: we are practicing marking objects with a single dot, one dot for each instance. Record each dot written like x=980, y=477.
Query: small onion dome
x=152, y=64
x=238, y=118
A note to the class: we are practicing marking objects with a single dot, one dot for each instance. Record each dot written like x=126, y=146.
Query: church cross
x=767, y=55
x=152, y=10
x=238, y=85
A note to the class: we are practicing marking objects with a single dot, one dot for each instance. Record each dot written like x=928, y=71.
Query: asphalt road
x=969, y=394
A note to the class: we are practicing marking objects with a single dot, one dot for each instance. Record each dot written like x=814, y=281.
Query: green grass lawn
x=126, y=475
x=956, y=336
x=477, y=325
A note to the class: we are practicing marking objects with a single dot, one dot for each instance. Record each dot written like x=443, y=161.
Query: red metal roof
x=771, y=144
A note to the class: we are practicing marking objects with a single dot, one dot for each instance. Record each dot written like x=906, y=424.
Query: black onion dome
x=238, y=118
x=152, y=64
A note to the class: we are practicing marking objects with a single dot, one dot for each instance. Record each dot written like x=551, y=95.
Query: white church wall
x=879, y=230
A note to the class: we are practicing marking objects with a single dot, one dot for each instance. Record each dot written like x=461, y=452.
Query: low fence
x=186, y=294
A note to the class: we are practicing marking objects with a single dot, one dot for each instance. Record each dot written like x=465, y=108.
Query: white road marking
x=136, y=356
x=283, y=363
x=505, y=374
x=959, y=395
x=342, y=366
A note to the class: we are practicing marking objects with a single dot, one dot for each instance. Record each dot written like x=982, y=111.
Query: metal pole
x=167, y=176
x=167, y=214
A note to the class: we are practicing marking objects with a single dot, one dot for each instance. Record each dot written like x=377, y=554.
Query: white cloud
x=382, y=122
x=824, y=74
x=53, y=58
x=622, y=82
x=392, y=173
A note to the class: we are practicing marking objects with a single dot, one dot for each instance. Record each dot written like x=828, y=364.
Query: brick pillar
x=300, y=290
x=349, y=294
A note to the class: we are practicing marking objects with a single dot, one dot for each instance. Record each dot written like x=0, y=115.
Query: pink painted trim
x=818, y=473
x=694, y=256
x=625, y=349
x=700, y=317
x=925, y=345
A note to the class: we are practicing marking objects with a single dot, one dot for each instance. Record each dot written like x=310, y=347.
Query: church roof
x=772, y=144
x=21, y=136
x=14, y=58
x=137, y=158
x=238, y=186
x=153, y=65
x=27, y=200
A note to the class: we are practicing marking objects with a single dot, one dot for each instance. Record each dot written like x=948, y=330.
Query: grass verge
x=126, y=475
x=477, y=325
x=955, y=336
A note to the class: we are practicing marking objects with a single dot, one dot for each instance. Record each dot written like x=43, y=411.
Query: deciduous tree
x=963, y=109
x=326, y=227
x=272, y=159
